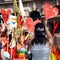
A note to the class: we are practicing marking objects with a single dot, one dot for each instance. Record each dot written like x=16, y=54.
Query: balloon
x=50, y=11
x=30, y=24
x=5, y=14
x=23, y=50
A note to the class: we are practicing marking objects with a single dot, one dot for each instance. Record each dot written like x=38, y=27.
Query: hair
x=24, y=33
x=34, y=15
x=40, y=37
x=39, y=40
x=39, y=29
x=4, y=33
x=10, y=37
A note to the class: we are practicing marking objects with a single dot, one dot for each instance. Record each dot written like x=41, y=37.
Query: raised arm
x=47, y=30
x=49, y=35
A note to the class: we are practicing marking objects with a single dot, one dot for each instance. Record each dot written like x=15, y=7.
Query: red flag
x=21, y=20
x=5, y=15
x=54, y=28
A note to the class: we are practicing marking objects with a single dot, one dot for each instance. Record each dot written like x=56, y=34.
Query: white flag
x=21, y=8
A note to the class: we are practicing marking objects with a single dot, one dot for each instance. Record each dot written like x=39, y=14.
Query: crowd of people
x=19, y=46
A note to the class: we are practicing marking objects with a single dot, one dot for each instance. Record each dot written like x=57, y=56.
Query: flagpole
x=21, y=8
x=15, y=7
x=17, y=13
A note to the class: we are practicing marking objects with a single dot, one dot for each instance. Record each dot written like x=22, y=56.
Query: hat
x=39, y=29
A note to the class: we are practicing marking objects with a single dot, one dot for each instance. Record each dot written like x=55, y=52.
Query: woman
x=12, y=46
x=40, y=44
x=4, y=38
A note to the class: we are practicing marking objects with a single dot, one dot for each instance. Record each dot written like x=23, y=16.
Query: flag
x=21, y=8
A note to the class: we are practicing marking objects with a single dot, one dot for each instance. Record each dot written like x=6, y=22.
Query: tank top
x=40, y=52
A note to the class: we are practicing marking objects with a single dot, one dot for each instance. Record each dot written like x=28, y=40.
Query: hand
x=45, y=22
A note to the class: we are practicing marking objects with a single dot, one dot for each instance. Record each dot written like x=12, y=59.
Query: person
x=2, y=57
x=55, y=51
x=40, y=44
x=4, y=41
x=12, y=45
